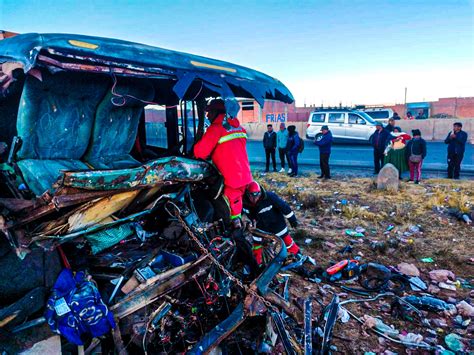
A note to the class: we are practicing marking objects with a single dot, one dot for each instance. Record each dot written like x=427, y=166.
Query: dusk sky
x=354, y=52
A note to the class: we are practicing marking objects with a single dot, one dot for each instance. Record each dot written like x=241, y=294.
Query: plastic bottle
x=466, y=219
x=429, y=303
x=384, y=328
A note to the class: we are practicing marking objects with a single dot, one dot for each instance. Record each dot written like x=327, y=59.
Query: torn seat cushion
x=40, y=175
x=55, y=121
x=116, y=124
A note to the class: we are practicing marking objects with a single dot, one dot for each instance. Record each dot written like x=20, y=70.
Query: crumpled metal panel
x=156, y=172
x=226, y=79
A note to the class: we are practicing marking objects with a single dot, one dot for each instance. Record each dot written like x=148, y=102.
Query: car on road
x=379, y=114
x=346, y=125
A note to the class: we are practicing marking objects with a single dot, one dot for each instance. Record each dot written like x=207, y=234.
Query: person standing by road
x=415, y=153
x=292, y=150
x=456, y=141
x=395, y=151
x=324, y=143
x=282, y=140
x=378, y=139
x=270, y=143
x=390, y=126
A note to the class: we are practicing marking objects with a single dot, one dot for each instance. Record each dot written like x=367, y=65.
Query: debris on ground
x=165, y=278
x=411, y=248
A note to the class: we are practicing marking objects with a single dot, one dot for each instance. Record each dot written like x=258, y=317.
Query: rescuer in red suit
x=225, y=143
x=270, y=213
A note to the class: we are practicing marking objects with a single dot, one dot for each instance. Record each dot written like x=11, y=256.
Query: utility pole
x=405, y=101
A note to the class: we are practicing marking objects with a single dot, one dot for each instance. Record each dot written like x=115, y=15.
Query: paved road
x=361, y=156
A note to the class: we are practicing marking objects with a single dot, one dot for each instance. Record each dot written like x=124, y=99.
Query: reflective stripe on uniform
x=235, y=216
x=232, y=136
x=289, y=215
x=256, y=247
x=284, y=231
x=266, y=209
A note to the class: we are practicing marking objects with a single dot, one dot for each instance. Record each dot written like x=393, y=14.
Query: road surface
x=360, y=157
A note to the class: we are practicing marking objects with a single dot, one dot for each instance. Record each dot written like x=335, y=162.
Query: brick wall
x=460, y=107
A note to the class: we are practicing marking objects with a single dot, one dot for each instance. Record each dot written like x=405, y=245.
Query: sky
x=326, y=52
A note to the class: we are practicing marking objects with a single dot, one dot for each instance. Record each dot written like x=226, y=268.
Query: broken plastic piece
x=417, y=284
x=429, y=303
x=453, y=341
x=411, y=338
x=354, y=233
x=372, y=322
x=427, y=260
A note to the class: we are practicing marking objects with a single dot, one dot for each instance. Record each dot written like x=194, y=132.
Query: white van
x=346, y=126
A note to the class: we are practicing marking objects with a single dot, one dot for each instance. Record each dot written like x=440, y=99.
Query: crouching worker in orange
x=225, y=143
x=269, y=211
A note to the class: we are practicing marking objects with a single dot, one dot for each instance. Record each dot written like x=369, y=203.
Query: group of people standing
x=390, y=145
x=288, y=143
x=406, y=152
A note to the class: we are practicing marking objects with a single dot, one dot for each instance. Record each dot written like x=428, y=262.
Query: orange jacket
x=225, y=144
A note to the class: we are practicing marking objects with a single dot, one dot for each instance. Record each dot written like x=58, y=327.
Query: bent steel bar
x=332, y=312
x=308, y=329
x=156, y=172
x=274, y=266
x=221, y=331
x=283, y=333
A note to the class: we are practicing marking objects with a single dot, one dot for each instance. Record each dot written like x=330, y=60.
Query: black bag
x=414, y=158
x=301, y=147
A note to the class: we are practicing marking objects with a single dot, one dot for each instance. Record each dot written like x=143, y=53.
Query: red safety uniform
x=225, y=143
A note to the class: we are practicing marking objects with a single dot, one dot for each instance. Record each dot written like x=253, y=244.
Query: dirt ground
x=422, y=228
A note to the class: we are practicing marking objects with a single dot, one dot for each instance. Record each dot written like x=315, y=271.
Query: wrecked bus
x=114, y=242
